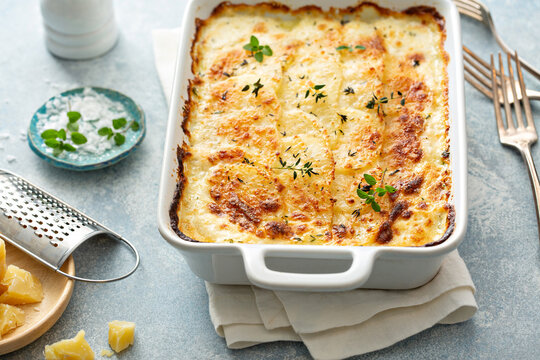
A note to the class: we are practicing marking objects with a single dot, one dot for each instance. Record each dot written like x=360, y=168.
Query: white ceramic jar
x=79, y=29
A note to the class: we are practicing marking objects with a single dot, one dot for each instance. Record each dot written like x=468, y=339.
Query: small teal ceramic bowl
x=84, y=161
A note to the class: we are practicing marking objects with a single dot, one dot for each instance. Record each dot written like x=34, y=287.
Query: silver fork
x=478, y=11
x=524, y=134
x=478, y=74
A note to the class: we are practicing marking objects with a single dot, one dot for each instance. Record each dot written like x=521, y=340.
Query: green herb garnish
x=49, y=134
x=350, y=48
x=256, y=87
x=78, y=138
x=314, y=91
x=258, y=51
x=122, y=125
x=73, y=116
x=375, y=101
x=56, y=139
x=119, y=123
x=106, y=131
x=368, y=194
x=306, y=169
x=119, y=139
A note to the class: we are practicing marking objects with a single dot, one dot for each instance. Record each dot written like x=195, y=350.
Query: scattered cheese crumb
x=4, y=136
x=10, y=158
x=106, y=352
x=121, y=334
x=72, y=349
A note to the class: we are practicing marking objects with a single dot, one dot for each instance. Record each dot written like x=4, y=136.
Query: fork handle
x=525, y=151
x=531, y=69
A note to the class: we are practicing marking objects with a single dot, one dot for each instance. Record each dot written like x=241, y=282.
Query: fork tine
x=471, y=3
x=481, y=62
x=526, y=104
x=486, y=75
x=480, y=68
x=504, y=88
x=495, y=94
x=471, y=79
x=486, y=91
x=468, y=6
x=480, y=65
x=512, y=82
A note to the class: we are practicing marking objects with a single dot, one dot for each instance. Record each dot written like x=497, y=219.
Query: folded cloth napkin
x=331, y=325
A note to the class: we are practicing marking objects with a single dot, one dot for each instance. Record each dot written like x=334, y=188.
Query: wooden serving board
x=40, y=317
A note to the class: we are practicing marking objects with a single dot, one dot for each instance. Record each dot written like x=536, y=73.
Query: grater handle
x=72, y=277
x=131, y=271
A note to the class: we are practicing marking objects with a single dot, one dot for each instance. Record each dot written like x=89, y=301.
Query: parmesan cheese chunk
x=23, y=287
x=72, y=349
x=3, y=266
x=121, y=334
x=10, y=318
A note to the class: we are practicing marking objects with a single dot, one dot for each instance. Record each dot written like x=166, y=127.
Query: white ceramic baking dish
x=317, y=267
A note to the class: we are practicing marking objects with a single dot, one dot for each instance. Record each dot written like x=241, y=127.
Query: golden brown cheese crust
x=283, y=165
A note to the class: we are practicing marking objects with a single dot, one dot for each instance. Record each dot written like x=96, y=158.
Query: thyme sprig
x=247, y=161
x=314, y=91
x=376, y=101
x=256, y=87
x=384, y=100
x=306, y=169
x=368, y=193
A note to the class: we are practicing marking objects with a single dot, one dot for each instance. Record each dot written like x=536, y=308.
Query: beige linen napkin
x=331, y=325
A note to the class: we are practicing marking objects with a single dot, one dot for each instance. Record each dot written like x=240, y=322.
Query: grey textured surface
x=168, y=303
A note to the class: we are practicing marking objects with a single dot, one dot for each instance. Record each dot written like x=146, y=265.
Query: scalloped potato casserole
x=308, y=126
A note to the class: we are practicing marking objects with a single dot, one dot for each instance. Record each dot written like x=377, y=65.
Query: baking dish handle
x=356, y=275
